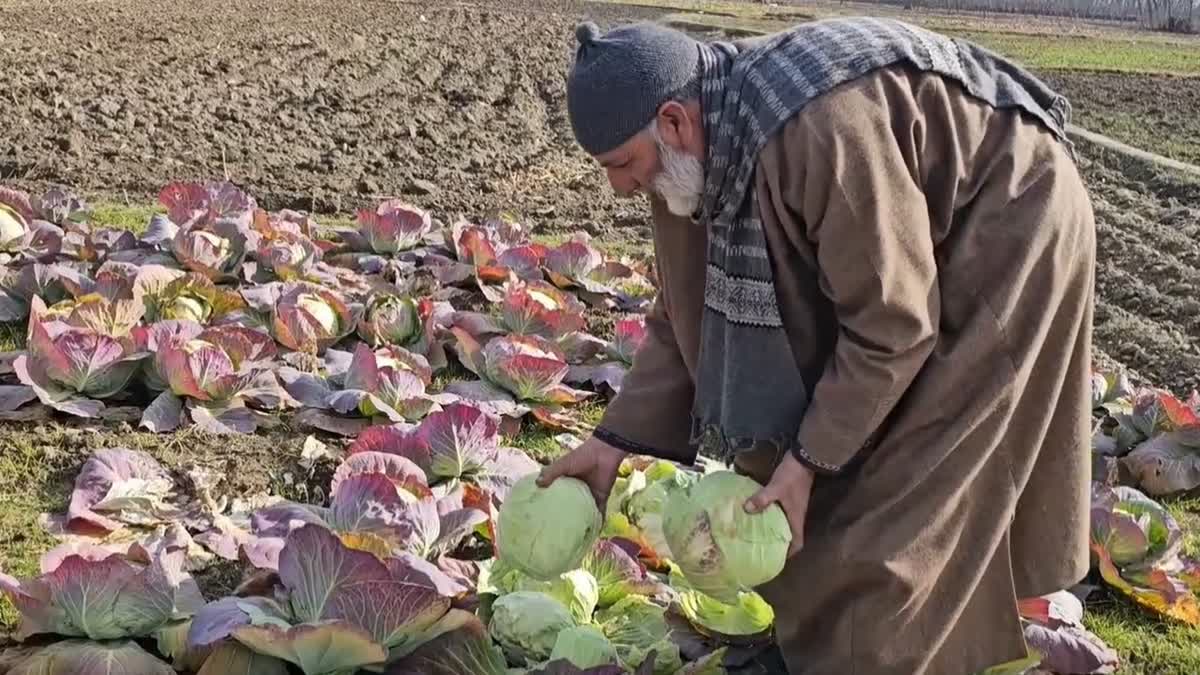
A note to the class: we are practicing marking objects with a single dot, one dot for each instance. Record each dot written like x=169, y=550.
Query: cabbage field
x=426, y=345
x=293, y=308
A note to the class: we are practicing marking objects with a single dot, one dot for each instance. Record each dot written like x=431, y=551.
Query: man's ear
x=674, y=124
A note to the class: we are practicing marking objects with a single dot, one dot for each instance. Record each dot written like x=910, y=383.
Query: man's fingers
x=796, y=515
x=574, y=464
x=546, y=476
x=761, y=499
x=601, y=498
x=563, y=466
x=797, y=525
x=797, y=542
x=795, y=512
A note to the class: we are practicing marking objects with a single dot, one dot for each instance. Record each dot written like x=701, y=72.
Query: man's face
x=664, y=160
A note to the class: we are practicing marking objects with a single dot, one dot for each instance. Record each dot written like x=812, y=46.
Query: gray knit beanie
x=619, y=80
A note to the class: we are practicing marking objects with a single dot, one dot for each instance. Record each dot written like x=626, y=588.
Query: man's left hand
x=790, y=487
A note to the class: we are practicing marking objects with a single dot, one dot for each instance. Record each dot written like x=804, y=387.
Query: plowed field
x=323, y=105
x=309, y=104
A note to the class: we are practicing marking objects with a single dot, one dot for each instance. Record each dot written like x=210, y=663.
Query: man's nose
x=623, y=186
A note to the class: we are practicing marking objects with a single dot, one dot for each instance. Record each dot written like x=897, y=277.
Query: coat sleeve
x=652, y=413
x=852, y=177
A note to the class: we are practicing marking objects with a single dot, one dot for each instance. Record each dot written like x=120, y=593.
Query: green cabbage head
x=585, y=647
x=577, y=590
x=636, y=626
x=644, y=508
x=526, y=624
x=720, y=549
x=545, y=532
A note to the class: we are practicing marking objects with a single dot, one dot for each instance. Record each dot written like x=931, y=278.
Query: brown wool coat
x=942, y=252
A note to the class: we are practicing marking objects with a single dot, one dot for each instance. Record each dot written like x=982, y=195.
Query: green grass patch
x=1187, y=513
x=40, y=462
x=1146, y=645
x=541, y=443
x=32, y=485
x=326, y=225
x=612, y=248
x=12, y=336
x=1039, y=47
x=1050, y=52
x=135, y=218
x=1037, y=51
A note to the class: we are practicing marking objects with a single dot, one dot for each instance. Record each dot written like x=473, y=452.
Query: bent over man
x=876, y=258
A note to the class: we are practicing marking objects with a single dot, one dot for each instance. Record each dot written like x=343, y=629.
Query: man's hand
x=594, y=462
x=790, y=487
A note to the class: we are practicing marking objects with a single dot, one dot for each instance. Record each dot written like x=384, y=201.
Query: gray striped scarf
x=749, y=389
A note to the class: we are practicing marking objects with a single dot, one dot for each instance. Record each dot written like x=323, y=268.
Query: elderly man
x=876, y=261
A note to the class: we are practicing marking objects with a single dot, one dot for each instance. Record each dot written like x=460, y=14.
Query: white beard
x=681, y=181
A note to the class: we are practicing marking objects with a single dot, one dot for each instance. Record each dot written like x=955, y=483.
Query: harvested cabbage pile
x=572, y=584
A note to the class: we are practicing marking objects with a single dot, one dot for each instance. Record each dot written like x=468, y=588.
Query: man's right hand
x=594, y=462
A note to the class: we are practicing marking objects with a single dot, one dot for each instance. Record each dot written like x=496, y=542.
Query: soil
x=1151, y=112
x=459, y=107
x=267, y=461
x=308, y=104
x=39, y=463
x=1148, y=269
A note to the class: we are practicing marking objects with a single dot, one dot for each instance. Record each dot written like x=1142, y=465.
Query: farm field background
x=459, y=108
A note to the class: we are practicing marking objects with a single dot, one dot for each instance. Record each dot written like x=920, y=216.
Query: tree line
x=1178, y=16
